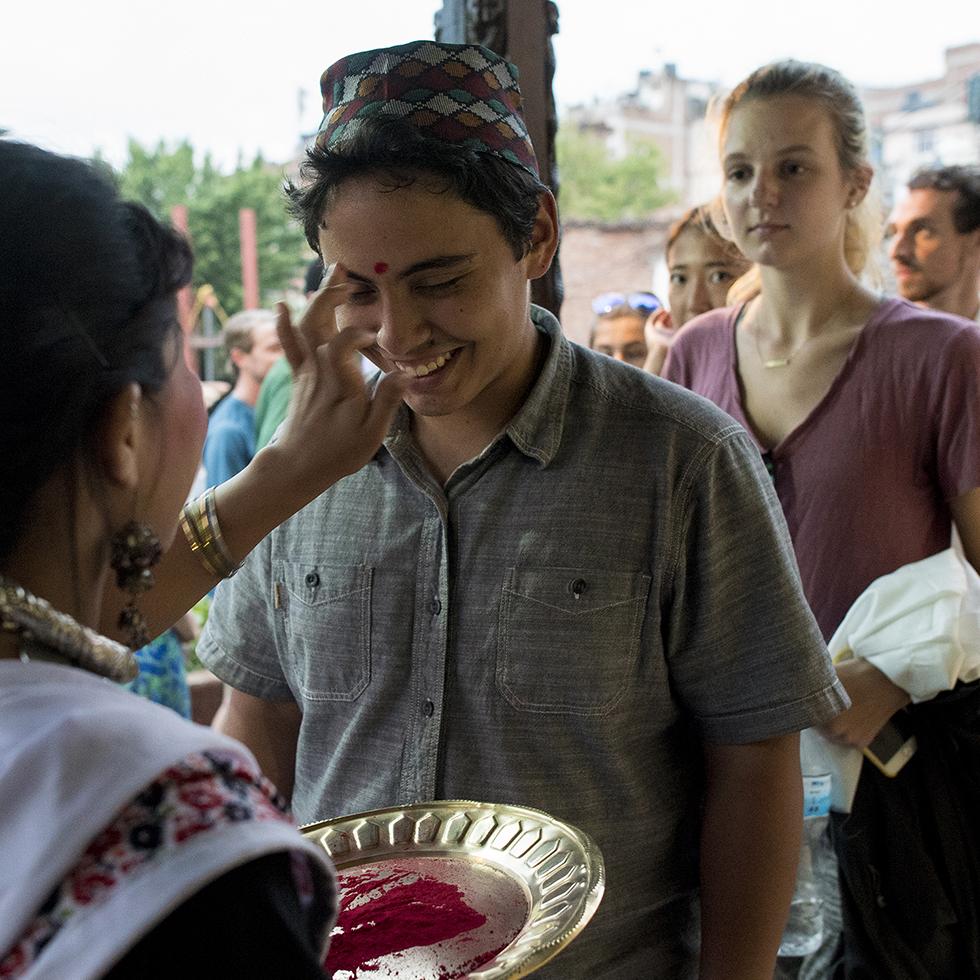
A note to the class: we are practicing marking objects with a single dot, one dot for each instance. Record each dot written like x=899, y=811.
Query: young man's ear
x=119, y=438
x=237, y=357
x=544, y=237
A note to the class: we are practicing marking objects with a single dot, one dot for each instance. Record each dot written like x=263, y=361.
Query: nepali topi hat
x=456, y=93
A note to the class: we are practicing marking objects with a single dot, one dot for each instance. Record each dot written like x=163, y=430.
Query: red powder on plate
x=381, y=916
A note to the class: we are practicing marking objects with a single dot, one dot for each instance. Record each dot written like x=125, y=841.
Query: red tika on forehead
x=380, y=267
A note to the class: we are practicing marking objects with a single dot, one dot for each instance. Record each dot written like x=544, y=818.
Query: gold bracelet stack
x=199, y=522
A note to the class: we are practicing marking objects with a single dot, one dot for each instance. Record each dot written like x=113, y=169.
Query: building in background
x=925, y=123
x=600, y=257
x=912, y=125
x=671, y=112
x=597, y=257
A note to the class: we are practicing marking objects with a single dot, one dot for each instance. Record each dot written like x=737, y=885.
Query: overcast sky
x=231, y=76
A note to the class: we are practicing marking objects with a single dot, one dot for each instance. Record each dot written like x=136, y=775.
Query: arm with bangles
x=329, y=395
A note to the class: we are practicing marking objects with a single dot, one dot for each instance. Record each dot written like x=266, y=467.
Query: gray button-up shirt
x=609, y=584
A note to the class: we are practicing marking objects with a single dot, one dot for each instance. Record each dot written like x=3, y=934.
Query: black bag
x=909, y=853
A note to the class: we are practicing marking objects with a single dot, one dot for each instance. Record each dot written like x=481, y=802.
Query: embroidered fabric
x=202, y=792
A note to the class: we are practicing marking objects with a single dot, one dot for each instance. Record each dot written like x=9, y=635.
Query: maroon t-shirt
x=866, y=478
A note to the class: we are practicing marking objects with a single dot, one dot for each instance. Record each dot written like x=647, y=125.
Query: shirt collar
x=536, y=428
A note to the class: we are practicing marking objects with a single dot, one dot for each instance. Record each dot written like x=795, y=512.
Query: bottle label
x=816, y=795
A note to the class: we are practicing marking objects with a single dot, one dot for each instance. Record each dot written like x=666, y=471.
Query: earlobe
x=544, y=237
x=860, y=185
x=119, y=437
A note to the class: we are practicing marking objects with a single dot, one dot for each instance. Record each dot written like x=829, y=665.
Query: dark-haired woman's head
x=88, y=287
x=702, y=266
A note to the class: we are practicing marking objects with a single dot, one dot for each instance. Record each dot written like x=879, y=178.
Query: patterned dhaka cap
x=457, y=93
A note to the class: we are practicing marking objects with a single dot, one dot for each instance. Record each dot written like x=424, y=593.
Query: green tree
x=158, y=177
x=162, y=177
x=597, y=186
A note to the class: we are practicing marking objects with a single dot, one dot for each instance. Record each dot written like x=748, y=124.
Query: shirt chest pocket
x=568, y=638
x=326, y=628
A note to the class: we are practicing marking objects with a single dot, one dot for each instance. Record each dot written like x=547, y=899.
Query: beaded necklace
x=48, y=634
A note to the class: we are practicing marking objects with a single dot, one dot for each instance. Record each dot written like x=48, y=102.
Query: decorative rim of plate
x=559, y=866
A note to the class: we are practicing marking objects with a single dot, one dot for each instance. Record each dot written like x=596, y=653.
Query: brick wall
x=602, y=258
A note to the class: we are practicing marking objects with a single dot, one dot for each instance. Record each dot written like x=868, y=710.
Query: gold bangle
x=199, y=522
x=188, y=525
x=220, y=546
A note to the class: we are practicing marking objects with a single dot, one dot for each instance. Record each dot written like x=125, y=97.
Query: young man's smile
x=452, y=305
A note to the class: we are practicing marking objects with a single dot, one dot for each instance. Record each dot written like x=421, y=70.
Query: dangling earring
x=135, y=550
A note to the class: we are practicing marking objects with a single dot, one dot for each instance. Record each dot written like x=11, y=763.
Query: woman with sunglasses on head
x=867, y=413
x=618, y=328
x=702, y=266
x=135, y=843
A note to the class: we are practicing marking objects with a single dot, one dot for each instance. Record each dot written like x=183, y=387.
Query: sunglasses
x=641, y=302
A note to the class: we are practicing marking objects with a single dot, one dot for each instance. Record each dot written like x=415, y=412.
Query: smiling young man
x=463, y=618
x=934, y=234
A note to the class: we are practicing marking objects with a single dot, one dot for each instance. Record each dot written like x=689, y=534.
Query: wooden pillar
x=185, y=296
x=520, y=31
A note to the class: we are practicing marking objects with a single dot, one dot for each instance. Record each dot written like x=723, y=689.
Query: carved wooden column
x=521, y=31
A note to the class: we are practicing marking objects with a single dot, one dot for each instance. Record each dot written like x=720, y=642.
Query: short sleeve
x=238, y=643
x=957, y=415
x=745, y=654
x=700, y=359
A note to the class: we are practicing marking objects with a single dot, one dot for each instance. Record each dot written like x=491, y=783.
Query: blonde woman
x=867, y=413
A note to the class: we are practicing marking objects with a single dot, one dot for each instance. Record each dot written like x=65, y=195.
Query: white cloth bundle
x=920, y=626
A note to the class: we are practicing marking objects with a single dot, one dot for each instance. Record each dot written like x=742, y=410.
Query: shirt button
x=428, y=708
x=578, y=587
x=312, y=580
x=435, y=607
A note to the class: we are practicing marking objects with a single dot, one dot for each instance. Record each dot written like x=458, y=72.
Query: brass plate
x=511, y=851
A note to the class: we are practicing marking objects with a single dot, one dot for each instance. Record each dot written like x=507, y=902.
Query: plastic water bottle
x=804, y=930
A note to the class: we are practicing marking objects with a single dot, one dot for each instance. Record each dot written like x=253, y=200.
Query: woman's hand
x=874, y=699
x=659, y=334
x=335, y=424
